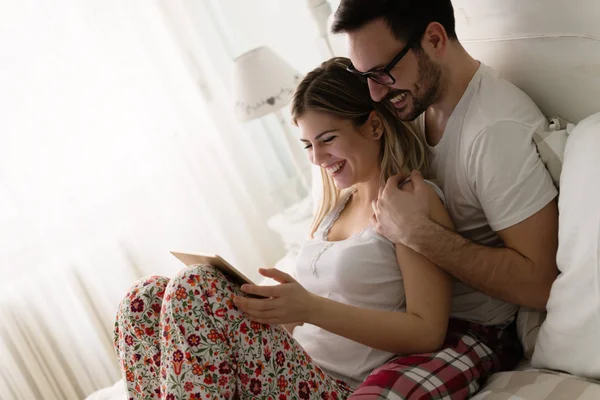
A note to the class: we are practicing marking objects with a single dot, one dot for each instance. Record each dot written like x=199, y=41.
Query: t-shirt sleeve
x=507, y=175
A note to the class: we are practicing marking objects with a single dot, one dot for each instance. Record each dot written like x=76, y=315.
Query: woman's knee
x=198, y=277
x=144, y=295
x=198, y=287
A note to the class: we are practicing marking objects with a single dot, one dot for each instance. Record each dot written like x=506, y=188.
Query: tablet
x=213, y=260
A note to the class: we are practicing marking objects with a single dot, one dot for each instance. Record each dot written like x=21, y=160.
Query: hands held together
x=399, y=211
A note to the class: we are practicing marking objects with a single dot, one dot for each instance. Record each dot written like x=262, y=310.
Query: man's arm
x=522, y=273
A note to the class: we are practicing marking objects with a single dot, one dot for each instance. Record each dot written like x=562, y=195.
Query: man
x=479, y=129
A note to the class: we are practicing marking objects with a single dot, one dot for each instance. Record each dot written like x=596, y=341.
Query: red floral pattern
x=192, y=343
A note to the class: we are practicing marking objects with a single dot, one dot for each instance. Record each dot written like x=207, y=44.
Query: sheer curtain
x=214, y=32
x=116, y=146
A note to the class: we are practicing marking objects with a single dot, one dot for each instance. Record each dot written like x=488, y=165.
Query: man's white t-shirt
x=491, y=174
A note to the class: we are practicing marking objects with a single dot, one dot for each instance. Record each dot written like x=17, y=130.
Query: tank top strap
x=325, y=226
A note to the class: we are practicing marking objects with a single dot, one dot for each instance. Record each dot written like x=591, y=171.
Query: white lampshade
x=262, y=83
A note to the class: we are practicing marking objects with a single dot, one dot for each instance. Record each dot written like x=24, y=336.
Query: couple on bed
x=401, y=291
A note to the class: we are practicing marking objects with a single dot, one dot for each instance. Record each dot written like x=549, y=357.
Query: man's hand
x=398, y=211
x=285, y=303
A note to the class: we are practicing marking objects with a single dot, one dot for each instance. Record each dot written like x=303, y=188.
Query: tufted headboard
x=548, y=48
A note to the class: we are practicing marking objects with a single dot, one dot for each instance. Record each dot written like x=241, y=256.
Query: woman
x=359, y=299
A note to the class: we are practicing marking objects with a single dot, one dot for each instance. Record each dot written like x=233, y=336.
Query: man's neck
x=460, y=69
x=459, y=73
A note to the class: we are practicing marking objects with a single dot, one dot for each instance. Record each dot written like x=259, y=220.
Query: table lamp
x=263, y=83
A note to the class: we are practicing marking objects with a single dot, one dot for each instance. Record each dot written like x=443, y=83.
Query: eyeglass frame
x=387, y=69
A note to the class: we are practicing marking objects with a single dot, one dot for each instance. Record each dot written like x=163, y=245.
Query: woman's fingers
x=264, y=291
x=265, y=311
x=247, y=304
x=266, y=321
x=276, y=274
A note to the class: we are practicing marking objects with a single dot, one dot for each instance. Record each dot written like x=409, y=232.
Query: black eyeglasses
x=382, y=75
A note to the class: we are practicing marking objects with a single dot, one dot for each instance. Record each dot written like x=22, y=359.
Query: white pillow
x=115, y=392
x=293, y=224
x=529, y=323
x=569, y=339
x=551, y=146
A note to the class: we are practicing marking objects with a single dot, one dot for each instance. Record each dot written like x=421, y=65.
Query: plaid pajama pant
x=471, y=353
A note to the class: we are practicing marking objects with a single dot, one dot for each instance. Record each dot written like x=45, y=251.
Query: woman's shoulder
x=434, y=190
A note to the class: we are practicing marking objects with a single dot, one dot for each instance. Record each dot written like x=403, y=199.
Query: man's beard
x=427, y=90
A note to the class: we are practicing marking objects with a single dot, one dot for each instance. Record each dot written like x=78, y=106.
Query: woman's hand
x=285, y=303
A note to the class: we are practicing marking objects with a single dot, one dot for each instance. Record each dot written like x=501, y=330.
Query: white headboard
x=549, y=48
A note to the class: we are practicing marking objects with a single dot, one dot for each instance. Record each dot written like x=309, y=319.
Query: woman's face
x=349, y=154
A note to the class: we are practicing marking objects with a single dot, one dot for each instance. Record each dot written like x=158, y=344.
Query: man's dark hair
x=407, y=19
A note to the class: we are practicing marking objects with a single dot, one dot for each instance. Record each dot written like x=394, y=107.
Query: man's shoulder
x=501, y=100
x=498, y=103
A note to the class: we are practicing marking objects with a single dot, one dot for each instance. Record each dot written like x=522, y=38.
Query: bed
x=551, y=50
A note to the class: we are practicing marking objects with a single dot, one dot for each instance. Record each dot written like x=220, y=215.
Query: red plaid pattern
x=471, y=354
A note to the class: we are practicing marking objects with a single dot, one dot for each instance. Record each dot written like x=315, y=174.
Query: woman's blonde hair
x=332, y=90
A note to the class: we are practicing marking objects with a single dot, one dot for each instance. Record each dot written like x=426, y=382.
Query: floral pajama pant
x=184, y=339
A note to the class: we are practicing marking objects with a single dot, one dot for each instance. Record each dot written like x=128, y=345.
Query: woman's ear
x=374, y=126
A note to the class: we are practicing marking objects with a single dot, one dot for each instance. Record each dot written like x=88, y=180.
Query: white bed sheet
x=114, y=392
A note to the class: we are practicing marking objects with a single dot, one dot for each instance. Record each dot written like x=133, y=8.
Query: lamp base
x=289, y=138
